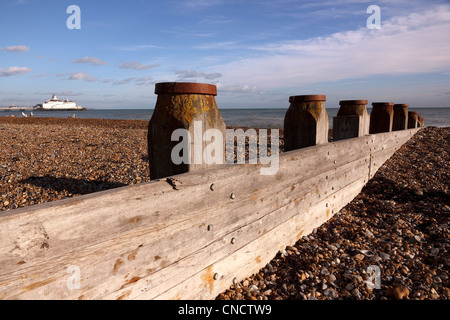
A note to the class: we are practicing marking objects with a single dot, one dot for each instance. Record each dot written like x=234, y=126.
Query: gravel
x=43, y=160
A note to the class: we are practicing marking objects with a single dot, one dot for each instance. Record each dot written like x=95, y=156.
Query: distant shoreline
x=16, y=108
x=124, y=124
x=37, y=109
x=252, y=118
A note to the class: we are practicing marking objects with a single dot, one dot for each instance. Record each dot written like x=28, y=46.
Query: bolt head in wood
x=212, y=187
x=232, y=196
x=216, y=276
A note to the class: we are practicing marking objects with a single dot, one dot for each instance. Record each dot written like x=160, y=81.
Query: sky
x=257, y=52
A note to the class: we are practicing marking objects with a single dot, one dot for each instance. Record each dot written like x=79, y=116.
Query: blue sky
x=258, y=53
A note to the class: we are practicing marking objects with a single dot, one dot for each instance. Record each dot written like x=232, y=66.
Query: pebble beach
x=398, y=223
x=47, y=159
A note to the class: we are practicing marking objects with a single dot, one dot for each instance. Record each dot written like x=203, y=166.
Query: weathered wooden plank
x=95, y=218
x=247, y=232
x=223, y=223
x=256, y=254
x=147, y=238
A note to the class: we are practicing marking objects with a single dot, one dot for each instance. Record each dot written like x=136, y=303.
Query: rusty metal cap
x=401, y=106
x=306, y=98
x=382, y=104
x=185, y=88
x=347, y=102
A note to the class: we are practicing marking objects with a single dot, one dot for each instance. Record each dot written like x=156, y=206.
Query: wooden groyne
x=189, y=235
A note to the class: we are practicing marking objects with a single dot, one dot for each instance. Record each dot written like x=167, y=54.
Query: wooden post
x=400, y=121
x=412, y=119
x=381, y=117
x=352, y=120
x=305, y=122
x=189, y=106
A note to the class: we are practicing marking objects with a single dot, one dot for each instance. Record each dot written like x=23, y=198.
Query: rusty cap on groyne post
x=381, y=117
x=400, y=121
x=352, y=120
x=182, y=105
x=185, y=88
x=412, y=119
x=305, y=122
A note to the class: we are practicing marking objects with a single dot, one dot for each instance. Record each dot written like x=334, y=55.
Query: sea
x=251, y=118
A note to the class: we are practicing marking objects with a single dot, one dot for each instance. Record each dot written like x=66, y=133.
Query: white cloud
x=91, y=60
x=212, y=76
x=187, y=74
x=237, y=89
x=11, y=71
x=17, y=48
x=40, y=75
x=416, y=43
x=122, y=82
x=83, y=76
x=146, y=81
x=137, y=65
